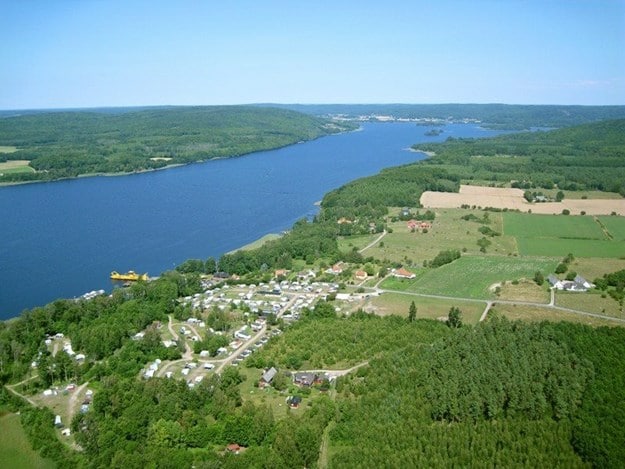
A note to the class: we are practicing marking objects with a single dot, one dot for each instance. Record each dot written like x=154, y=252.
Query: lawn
x=472, y=276
x=15, y=449
x=615, y=226
x=430, y=308
x=577, y=247
x=523, y=225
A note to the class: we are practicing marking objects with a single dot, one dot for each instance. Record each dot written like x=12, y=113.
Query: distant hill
x=502, y=116
x=118, y=140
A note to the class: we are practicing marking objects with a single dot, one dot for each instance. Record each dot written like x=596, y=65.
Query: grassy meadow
x=15, y=166
x=429, y=308
x=15, y=449
x=538, y=314
x=472, y=276
x=591, y=302
x=449, y=231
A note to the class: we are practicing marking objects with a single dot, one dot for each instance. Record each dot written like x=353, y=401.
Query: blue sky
x=81, y=53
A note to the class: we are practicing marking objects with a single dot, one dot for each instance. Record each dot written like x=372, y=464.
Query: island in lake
x=433, y=132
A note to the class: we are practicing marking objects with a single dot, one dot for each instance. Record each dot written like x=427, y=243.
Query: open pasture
x=7, y=149
x=472, y=276
x=524, y=225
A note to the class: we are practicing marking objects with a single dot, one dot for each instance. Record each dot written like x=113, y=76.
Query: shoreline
x=430, y=154
x=170, y=166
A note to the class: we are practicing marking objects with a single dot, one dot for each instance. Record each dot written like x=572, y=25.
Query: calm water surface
x=62, y=239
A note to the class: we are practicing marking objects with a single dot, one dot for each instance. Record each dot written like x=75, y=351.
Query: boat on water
x=131, y=276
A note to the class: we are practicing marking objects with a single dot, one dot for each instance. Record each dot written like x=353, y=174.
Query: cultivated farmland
x=558, y=235
x=512, y=199
x=578, y=247
x=551, y=226
x=615, y=227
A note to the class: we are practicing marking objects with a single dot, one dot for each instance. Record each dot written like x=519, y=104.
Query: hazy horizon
x=68, y=54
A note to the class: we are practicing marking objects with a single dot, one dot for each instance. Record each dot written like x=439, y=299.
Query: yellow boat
x=128, y=276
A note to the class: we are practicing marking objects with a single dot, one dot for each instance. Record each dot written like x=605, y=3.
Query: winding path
x=11, y=388
x=372, y=243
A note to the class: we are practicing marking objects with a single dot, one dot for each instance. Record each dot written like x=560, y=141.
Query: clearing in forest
x=15, y=166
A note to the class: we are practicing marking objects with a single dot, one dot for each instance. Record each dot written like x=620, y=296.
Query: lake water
x=62, y=239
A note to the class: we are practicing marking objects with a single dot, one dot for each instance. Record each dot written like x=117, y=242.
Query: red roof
x=403, y=273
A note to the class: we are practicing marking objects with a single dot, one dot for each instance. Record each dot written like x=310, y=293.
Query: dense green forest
x=68, y=144
x=495, y=116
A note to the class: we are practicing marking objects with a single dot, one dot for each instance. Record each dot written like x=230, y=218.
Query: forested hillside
x=500, y=116
x=68, y=144
x=586, y=157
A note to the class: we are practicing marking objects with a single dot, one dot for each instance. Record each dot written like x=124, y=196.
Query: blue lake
x=62, y=239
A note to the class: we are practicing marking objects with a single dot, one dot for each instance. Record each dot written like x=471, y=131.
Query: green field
x=15, y=450
x=523, y=225
x=558, y=235
x=7, y=149
x=615, y=226
x=577, y=247
x=16, y=166
x=471, y=276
